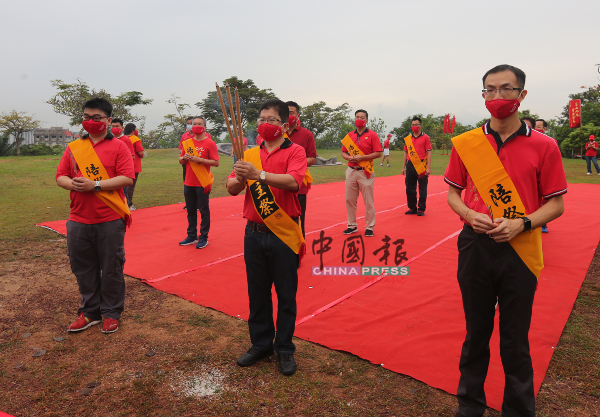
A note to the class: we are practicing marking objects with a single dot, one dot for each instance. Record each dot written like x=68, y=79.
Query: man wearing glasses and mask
x=504, y=168
x=273, y=241
x=95, y=170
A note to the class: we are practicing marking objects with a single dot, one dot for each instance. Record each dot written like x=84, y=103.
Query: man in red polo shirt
x=116, y=128
x=386, y=150
x=422, y=145
x=95, y=231
x=270, y=260
x=131, y=132
x=591, y=150
x=489, y=267
x=357, y=179
x=305, y=138
x=196, y=194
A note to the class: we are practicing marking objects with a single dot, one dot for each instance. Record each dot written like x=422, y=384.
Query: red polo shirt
x=422, y=144
x=290, y=159
x=86, y=207
x=532, y=161
x=386, y=143
x=207, y=149
x=127, y=142
x=305, y=138
x=137, y=161
x=187, y=135
x=368, y=143
x=591, y=151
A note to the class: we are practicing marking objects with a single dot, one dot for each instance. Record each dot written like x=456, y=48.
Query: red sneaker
x=110, y=325
x=81, y=323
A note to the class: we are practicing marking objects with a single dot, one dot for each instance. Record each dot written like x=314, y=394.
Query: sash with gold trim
x=91, y=167
x=205, y=177
x=499, y=193
x=420, y=166
x=277, y=220
x=308, y=179
x=354, y=150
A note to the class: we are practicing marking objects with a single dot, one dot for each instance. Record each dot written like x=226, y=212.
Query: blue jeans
x=269, y=261
x=589, y=165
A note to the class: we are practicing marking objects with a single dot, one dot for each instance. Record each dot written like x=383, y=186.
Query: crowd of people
x=506, y=180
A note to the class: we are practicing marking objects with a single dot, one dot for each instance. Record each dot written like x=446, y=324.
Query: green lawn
x=30, y=195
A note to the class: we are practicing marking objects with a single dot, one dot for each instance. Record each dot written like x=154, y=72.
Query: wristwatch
x=263, y=176
x=526, y=223
x=97, y=186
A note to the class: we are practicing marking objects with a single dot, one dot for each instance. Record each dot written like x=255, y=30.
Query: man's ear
x=522, y=95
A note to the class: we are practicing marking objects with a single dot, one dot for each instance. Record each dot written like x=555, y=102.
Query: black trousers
x=410, y=181
x=97, y=256
x=490, y=271
x=196, y=199
x=183, y=166
x=131, y=190
x=269, y=261
x=302, y=200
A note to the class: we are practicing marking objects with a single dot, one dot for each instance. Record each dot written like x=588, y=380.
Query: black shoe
x=368, y=233
x=350, y=230
x=253, y=355
x=287, y=364
x=410, y=212
x=420, y=213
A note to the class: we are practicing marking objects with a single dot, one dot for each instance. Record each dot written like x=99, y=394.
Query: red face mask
x=539, y=130
x=360, y=123
x=501, y=108
x=93, y=128
x=198, y=130
x=136, y=133
x=416, y=129
x=116, y=131
x=292, y=120
x=269, y=132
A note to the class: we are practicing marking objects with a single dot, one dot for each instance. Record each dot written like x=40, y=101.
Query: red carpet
x=413, y=324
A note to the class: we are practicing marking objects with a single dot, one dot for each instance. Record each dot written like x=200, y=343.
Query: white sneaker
x=388, y=165
x=381, y=165
x=131, y=208
x=589, y=173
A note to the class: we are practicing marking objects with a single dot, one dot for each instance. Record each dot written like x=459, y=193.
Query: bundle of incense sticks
x=235, y=136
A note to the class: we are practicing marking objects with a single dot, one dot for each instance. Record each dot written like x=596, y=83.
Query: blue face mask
x=188, y=127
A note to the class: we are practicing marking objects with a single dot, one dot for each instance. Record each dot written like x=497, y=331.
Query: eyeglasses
x=95, y=118
x=270, y=120
x=503, y=91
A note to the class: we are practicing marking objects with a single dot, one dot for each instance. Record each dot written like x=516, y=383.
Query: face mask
x=292, y=120
x=93, y=128
x=539, y=130
x=116, y=131
x=298, y=123
x=269, y=132
x=360, y=123
x=501, y=108
x=416, y=129
x=188, y=127
x=136, y=132
x=198, y=130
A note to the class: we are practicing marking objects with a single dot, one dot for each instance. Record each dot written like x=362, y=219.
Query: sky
x=393, y=58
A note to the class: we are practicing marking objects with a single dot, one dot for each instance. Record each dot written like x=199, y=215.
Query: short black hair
x=543, y=121
x=100, y=104
x=116, y=120
x=280, y=107
x=199, y=117
x=417, y=118
x=505, y=67
x=529, y=119
x=189, y=118
x=129, y=129
x=293, y=104
x=361, y=111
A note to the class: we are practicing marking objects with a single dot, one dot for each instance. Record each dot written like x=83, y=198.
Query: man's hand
x=428, y=171
x=480, y=222
x=356, y=159
x=82, y=184
x=245, y=170
x=506, y=230
x=403, y=170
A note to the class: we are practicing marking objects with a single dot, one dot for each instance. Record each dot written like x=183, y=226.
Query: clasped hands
x=500, y=229
x=192, y=158
x=245, y=171
x=82, y=184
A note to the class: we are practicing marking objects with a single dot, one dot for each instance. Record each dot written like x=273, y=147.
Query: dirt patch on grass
x=172, y=357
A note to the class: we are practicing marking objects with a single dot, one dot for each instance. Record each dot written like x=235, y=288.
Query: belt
x=356, y=168
x=263, y=228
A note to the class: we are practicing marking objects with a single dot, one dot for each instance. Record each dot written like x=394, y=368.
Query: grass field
x=165, y=340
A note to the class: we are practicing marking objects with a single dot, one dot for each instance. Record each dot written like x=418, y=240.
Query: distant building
x=52, y=136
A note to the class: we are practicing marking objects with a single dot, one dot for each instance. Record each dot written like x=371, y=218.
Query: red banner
x=574, y=113
x=453, y=122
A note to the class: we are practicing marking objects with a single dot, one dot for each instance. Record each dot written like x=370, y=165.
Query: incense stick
x=233, y=121
x=226, y=119
x=239, y=119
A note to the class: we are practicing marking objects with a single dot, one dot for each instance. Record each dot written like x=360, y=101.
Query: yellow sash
x=134, y=139
x=205, y=177
x=91, y=167
x=499, y=193
x=354, y=150
x=421, y=167
x=277, y=220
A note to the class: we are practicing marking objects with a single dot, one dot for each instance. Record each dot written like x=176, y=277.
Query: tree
x=70, y=98
x=320, y=119
x=168, y=133
x=6, y=149
x=17, y=123
x=590, y=113
x=251, y=97
x=431, y=125
x=572, y=143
